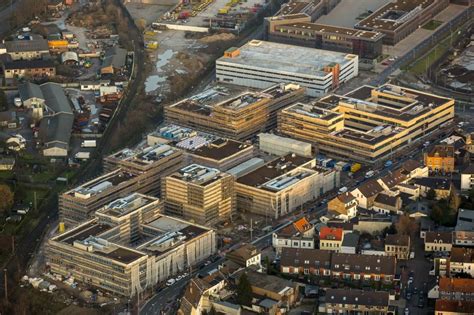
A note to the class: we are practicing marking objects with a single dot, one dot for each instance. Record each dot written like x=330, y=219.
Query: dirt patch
x=217, y=38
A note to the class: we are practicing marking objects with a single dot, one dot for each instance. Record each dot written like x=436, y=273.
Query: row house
x=456, y=289
x=438, y=241
x=398, y=246
x=461, y=261
x=337, y=265
x=331, y=238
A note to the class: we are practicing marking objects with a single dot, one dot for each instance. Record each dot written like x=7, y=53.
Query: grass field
x=432, y=25
x=423, y=63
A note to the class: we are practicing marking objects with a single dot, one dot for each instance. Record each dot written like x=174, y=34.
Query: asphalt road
x=5, y=17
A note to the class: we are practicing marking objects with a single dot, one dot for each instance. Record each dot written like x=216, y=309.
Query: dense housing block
x=261, y=64
x=367, y=124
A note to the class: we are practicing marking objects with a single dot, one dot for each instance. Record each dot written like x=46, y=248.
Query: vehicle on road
x=343, y=190
x=369, y=174
x=170, y=282
x=407, y=311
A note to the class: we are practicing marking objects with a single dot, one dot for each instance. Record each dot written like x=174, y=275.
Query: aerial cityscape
x=237, y=157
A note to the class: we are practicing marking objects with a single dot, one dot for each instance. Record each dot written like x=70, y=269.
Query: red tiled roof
x=456, y=285
x=327, y=233
x=458, y=307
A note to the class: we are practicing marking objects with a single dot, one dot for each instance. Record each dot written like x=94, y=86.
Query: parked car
x=170, y=282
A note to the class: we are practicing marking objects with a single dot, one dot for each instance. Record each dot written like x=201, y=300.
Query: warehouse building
x=368, y=124
x=239, y=117
x=399, y=18
x=297, y=29
x=283, y=185
x=261, y=64
x=129, y=247
x=150, y=163
x=202, y=194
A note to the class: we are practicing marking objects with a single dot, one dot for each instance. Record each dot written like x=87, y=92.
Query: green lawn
x=432, y=25
x=422, y=64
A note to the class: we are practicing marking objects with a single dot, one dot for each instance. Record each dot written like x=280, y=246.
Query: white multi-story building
x=261, y=64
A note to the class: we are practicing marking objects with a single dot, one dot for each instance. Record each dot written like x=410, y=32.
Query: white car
x=170, y=282
x=179, y=278
x=18, y=102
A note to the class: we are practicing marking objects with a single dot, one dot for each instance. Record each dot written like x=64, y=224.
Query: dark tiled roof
x=445, y=237
x=397, y=240
x=386, y=199
x=370, y=188
x=456, y=307
x=305, y=258
x=357, y=297
x=356, y=263
x=462, y=255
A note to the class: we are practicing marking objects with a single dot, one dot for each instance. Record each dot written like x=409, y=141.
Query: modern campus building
x=261, y=64
x=129, y=247
x=79, y=204
x=297, y=29
x=313, y=8
x=201, y=194
x=368, y=124
x=399, y=18
x=283, y=185
x=149, y=163
x=222, y=154
x=239, y=117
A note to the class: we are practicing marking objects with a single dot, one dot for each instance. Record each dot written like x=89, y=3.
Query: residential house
x=35, y=48
x=345, y=205
x=442, y=186
x=331, y=238
x=461, y=261
x=414, y=169
x=299, y=234
x=456, y=289
x=436, y=241
x=350, y=301
x=350, y=243
x=37, y=68
x=245, y=255
x=464, y=238
x=467, y=178
x=397, y=245
x=366, y=193
x=284, y=292
x=198, y=296
x=305, y=261
x=465, y=220
x=447, y=307
x=440, y=158
x=363, y=267
x=387, y=204
x=392, y=179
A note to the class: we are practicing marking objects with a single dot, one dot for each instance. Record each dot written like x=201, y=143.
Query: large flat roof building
x=129, y=247
x=297, y=29
x=238, y=117
x=199, y=193
x=367, y=124
x=151, y=163
x=399, y=18
x=261, y=64
x=282, y=185
x=79, y=204
x=313, y=8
